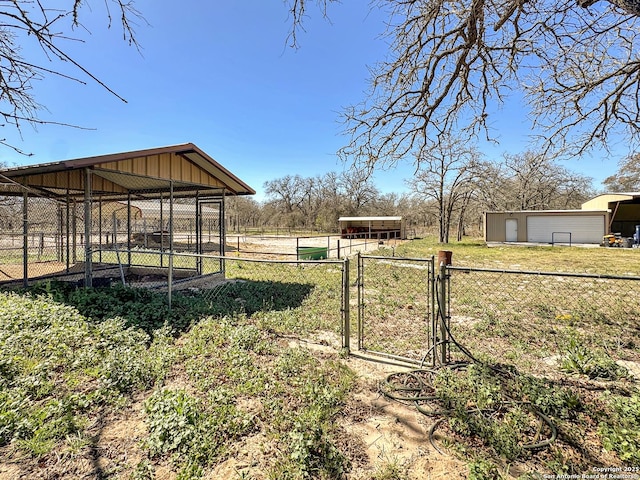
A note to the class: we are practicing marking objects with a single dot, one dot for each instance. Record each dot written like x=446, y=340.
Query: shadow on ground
x=149, y=310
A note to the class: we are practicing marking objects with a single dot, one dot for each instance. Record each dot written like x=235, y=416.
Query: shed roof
x=154, y=209
x=366, y=219
x=148, y=173
x=550, y=212
x=603, y=201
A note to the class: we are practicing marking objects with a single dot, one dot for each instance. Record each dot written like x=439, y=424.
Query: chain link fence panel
x=282, y=247
x=44, y=229
x=395, y=307
x=290, y=297
x=538, y=319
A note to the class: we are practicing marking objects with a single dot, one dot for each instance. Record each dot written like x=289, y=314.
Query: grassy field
x=244, y=380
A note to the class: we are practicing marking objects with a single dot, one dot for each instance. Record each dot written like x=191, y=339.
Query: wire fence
x=411, y=310
x=315, y=293
x=539, y=318
x=314, y=247
x=40, y=237
x=395, y=307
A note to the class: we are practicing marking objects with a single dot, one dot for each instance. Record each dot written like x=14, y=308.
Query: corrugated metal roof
x=542, y=212
x=145, y=172
x=153, y=209
x=603, y=201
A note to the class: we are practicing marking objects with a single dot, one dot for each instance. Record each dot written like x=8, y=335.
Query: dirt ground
x=244, y=245
x=388, y=432
x=380, y=431
x=15, y=272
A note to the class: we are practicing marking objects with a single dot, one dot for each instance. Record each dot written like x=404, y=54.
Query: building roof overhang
x=181, y=169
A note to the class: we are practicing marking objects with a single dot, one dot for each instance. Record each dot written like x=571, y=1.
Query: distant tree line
x=451, y=189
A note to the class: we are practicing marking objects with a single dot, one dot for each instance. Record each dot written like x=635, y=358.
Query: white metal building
x=547, y=226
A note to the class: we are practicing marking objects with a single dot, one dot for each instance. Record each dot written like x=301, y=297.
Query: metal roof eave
x=366, y=219
x=189, y=152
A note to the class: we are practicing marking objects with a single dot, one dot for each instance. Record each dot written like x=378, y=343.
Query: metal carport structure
x=174, y=175
x=625, y=211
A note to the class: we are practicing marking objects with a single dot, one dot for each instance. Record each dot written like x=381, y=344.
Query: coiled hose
x=416, y=387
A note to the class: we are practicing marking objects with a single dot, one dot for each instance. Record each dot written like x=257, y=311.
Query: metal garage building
x=607, y=213
x=625, y=211
x=547, y=226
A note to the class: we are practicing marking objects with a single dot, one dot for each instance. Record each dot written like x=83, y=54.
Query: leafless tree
x=52, y=26
x=358, y=190
x=298, y=12
x=242, y=212
x=287, y=194
x=627, y=176
x=534, y=181
x=447, y=177
x=452, y=63
x=319, y=201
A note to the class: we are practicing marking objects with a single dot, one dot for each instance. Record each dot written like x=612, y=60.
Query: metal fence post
x=170, y=273
x=170, y=279
x=25, y=239
x=434, y=310
x=360, y=282
x=88, y=261
x=346, y=320
x=444, y=259
x=442, y=299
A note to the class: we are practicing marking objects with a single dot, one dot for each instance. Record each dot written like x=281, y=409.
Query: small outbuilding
x=609, y=213
x=547, y=226
x=372, y=227
x=624, y=208
x=79, y=216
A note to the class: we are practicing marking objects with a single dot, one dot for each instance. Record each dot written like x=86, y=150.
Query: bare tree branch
x=298, y=13
x=21, y=20
x=452, y=63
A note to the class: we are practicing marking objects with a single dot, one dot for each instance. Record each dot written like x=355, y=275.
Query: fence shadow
x=149, y=309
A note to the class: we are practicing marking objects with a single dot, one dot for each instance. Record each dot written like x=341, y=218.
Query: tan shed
x=625, y=211
x=372, y=227
x=547, y=226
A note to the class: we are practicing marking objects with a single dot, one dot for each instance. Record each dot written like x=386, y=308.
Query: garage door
x=583, y=229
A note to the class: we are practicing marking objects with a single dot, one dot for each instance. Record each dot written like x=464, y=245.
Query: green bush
x=590, y=361
x=149, y=310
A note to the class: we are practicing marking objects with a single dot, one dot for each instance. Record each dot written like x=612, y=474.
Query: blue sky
x=220, y=74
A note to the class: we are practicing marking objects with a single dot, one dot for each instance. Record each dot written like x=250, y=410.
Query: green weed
x=621, y=432
x=192, y=432
x=391, y=470
x=56, y=368
x=481, y=469
x=589, y=360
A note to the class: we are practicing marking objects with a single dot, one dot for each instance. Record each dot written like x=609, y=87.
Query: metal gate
x=210, y=235
x=398, y=314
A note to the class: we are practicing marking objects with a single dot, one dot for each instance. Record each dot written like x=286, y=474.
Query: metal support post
x=442, y=299
x=25, y=239
x=170, y=275
x=346, y=317
x=444, y=259
x=129, y=229
x=88, y=268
